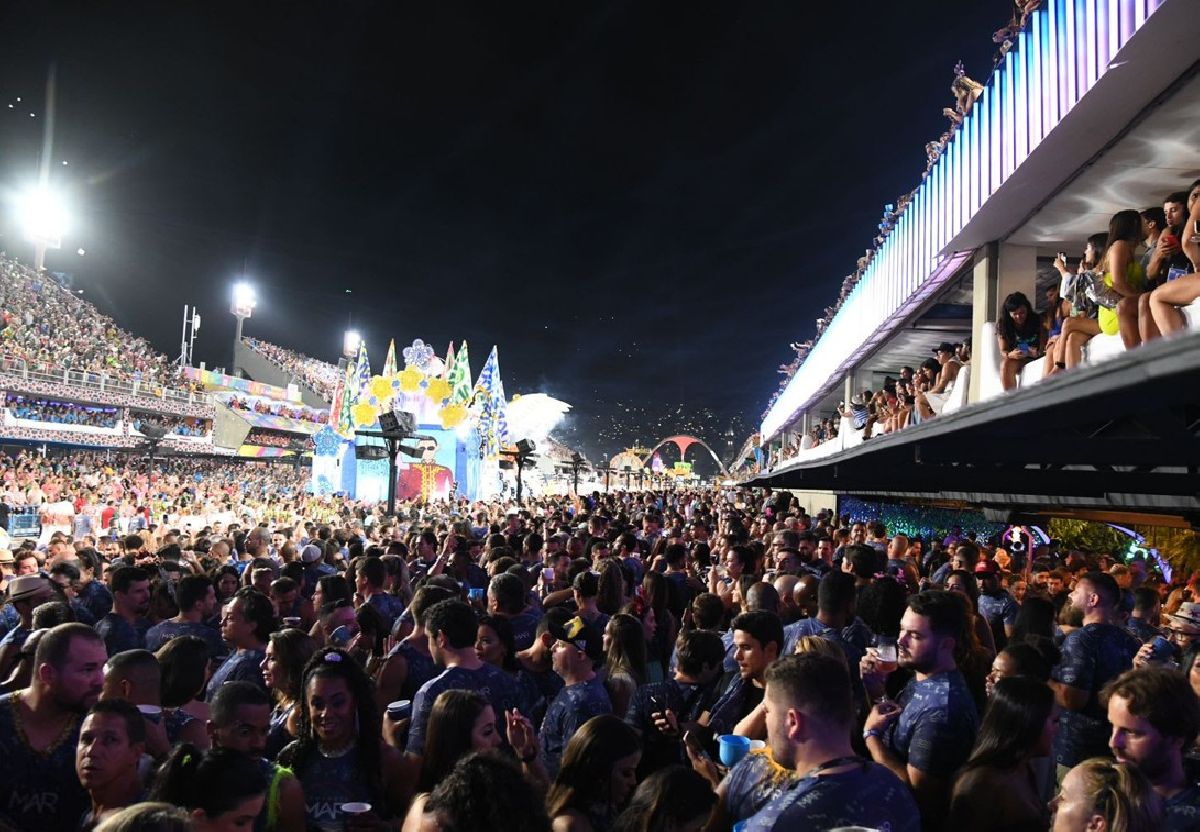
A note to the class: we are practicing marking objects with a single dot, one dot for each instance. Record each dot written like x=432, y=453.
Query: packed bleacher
x=320, y=376
x=273, y=408
x=51, y=329
x=268, y=439
x=63, y=413
x=717, y=659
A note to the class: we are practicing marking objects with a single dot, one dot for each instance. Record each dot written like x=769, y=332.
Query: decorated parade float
x=461, y=433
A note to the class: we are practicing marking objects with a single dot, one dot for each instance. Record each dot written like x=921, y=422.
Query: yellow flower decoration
x=364, y=414
x=438, y=389
x=452, y=415
x=410, y=379
x=380, y=387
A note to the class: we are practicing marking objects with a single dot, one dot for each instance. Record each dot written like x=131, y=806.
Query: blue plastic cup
x=732, y=749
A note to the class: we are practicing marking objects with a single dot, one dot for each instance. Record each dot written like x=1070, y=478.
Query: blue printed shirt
x=495, y=685
x=868, y=797
x=1091, y=657
x=936, y=729
x=572, y=707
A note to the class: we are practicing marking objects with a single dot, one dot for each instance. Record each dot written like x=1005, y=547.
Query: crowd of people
x=273, y=408
x=179, y=426
x=1131, y=281
x=271, y=439
x=319, y=376
x=51, y=329
x=61, y=413
x=1154, y=254
x=688, y=660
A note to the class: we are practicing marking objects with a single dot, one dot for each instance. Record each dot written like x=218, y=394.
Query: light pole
x=244, y=301
x=350, y=342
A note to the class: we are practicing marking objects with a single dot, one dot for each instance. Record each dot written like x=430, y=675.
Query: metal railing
x=103, y=383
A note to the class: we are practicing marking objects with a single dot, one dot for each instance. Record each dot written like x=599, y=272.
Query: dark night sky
x=641, y=203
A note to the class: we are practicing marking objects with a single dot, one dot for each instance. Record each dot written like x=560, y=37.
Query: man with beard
x=125, y=627
x=1155, y=717
x=39, y=729
x=926, y=735
x=112, y=740
x=810, y=712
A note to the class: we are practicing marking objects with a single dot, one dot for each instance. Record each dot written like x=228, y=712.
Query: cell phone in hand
x=695, y=747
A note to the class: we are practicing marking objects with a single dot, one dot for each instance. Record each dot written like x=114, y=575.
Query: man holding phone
x=663, y=711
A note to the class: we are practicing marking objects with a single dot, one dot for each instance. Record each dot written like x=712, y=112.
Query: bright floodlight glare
x=351, y=341
x=42, y=215
x=243, y=296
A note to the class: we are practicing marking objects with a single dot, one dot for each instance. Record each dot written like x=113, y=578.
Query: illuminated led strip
x=1067, y=46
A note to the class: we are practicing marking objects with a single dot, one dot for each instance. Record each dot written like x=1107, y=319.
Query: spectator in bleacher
x=1093, y=253
x=1168, y=254
x=1185, y=288
x=1020, y=335
x=1123, y=274
x=930, y=402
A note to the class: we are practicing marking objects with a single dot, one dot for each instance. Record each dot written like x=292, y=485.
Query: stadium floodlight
x=244, y=301
x=42, y=213
x=350, y=342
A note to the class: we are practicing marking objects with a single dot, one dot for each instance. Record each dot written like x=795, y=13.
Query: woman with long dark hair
x=1019, y=333
x=597, y=776
x=1123, y=274
x=1035, y=618
x=672, y=799
x=221, y=789
x=288, y=652
x=1020, y=724
x=226, y=581
x=461, y=721
x=339, y=756
x=624, y=659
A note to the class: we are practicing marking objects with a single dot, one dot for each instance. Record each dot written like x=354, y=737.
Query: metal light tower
x=244, y=301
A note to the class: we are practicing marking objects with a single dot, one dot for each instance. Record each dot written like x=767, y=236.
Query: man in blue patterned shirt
x=809, y=713
x=1093, y=655
x=927, y=733
x=577, y=648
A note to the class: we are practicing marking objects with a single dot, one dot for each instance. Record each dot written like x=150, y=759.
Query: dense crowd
x=62, y=413
x=273, y=408
x=1130, y=281
x=52, y=329
x=620, y=662
x=271, y=439
x=319, y=376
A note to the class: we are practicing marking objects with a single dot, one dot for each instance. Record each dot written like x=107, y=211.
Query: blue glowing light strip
x=1067, y=47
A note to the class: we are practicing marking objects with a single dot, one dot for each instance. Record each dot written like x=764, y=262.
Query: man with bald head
x=785, y=586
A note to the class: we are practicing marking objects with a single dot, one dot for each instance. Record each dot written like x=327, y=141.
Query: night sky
x=641, y=203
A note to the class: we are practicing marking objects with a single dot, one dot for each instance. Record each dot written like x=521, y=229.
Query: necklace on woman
x=334, y=753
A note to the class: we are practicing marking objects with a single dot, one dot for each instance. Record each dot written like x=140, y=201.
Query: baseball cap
x=311, y=553
x=987, y=566
x=582, y=635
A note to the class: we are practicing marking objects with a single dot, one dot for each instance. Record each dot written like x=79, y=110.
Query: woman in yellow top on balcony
x=1122, y=273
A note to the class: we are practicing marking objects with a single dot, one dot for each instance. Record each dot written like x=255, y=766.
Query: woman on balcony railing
x=1123, y=275
x=1020, y=337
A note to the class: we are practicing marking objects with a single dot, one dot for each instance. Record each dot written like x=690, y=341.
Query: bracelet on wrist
x=872, y=732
